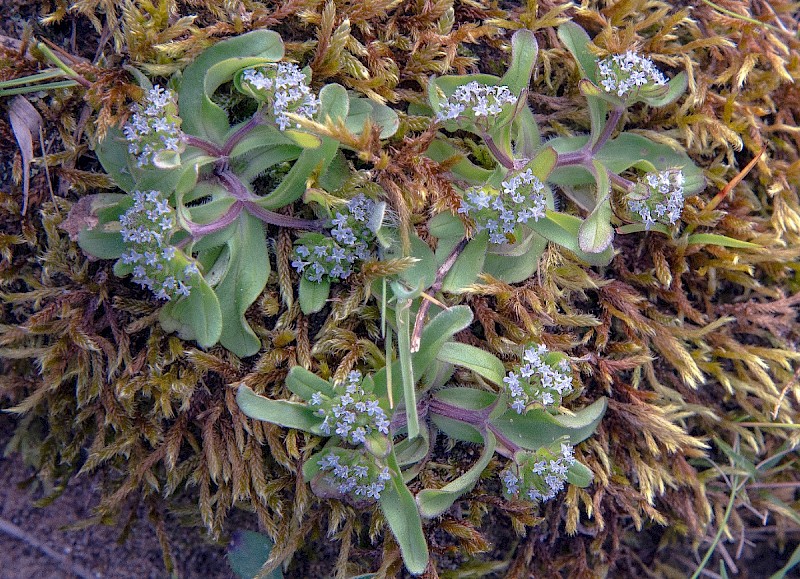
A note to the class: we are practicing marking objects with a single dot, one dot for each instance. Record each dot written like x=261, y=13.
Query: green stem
x=720, y=530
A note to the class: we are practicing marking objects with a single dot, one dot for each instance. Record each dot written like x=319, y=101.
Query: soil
x=37, y=542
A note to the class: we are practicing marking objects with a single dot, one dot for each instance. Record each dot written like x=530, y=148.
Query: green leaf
x=526, y=136
x=722, y=240
x=98, y=227
x=483, y=363
x=281, y=412
x=446, y=225
x=456, y=429
x=466, y=398
x=313, y=295
x=334, y=104
x=563, y=230
x=537, y=428
x=244, y=280
x=201, y=116
x=598, y=107
x=543, y=163
x=248, y=552
x=524, y=50
x=579, y=475
x=434, y=502
x=640, y=227
x=262, y=135
x=196, y=317
x=437, y=331
x=596, y=233
x=423, y=273
x=674, y=89
x=403, y=319
x=258, y=161
x=380, y=115
x=305, y=383
x=516, y=269
x=628, y=149
x=577, y=42
x=112, y=152
x=441, y=151
x=400, y=510
x=412, y=451
x=468, y=265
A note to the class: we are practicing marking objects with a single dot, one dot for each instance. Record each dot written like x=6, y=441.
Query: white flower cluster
x=285, y=87
x=658, y=197
x=482, y=100
x=154, y=127
x=522, y=199
x=355, y=473
x=545, y=378
x=146, y=229
x=353, y=414
x=625, y=74
x=540, y=475
x=317, y=256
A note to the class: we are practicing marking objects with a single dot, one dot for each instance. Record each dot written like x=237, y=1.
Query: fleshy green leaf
x=281, y=412
x=579, y=475
x=244, y=280
x=305, y=384
x=563, y=229
x=362, y=109
x=483, y=363
x=467, y=398
x=403, y=319
x=97, y=220
x=434, y=502
x=248, y=552
x=627, y=149
x=675, y=88
x=722, y=240
x=537, y=428
x=196, y=317
x=400, y=510
x=596, y=233
x=437, y=331
x=468, y=265
x=457, y=429
x=112, y=152
x=524, y=50
x=446, y=225
x=313, y=295
x=577, y=42
x=201, y=116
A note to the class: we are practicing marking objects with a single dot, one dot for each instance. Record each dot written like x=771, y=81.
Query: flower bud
x=627, y=75
x=284, y=87
x=521, y=200
x=538, y=476
x=658, y=197
x=545, y=378
x=154, y=130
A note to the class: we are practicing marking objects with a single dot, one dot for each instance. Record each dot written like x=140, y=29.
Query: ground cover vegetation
x=452, y=289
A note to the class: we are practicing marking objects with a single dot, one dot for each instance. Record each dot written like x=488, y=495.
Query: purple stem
x=273, y=218
x=197, y=230
x=241, y=133
x=479, y=419
x=203, y=145
x=611, y=124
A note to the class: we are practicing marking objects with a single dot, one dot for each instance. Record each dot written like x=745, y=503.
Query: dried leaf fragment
x=26, y=122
